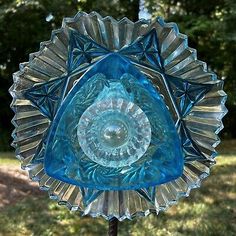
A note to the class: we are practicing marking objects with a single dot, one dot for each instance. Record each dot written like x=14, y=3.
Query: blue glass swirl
x=112, y=132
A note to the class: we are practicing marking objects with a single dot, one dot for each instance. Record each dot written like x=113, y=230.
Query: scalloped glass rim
x=183, y=63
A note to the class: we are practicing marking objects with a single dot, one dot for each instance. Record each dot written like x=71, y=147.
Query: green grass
x=208, y=211
x=8, y=158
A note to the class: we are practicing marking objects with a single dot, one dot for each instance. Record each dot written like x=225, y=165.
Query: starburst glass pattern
x=168, y=109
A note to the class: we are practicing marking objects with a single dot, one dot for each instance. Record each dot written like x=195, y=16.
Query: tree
x=115, y=8
x=23, y=26
x=210, y=26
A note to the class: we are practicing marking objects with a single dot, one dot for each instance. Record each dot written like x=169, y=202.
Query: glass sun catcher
x=116, y=118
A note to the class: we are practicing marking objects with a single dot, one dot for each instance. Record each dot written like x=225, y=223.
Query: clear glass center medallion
x=114, y=131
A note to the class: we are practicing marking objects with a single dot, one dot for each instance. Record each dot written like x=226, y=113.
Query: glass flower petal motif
x=116, y=118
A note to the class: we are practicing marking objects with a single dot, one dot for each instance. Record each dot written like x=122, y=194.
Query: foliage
x=210, y=25
x=23, y=26
x=115, y=8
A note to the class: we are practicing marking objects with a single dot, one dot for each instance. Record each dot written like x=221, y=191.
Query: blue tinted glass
x=113, y=131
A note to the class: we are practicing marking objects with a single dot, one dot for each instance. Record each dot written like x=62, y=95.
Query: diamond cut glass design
x=142, y=71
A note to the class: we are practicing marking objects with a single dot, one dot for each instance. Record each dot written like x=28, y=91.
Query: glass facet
x=116, y=118
x=82, y=148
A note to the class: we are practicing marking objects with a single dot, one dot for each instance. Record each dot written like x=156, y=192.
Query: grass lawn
x=208, y=211
x=8, y=158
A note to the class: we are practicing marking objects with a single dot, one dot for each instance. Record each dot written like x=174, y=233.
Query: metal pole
x=113, y=227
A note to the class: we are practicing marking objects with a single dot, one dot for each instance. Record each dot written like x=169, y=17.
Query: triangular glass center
x=113, y=131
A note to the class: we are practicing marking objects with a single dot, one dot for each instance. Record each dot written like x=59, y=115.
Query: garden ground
x=210, y=210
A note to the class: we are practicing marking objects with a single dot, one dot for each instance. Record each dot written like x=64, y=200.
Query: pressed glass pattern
x=144, y=65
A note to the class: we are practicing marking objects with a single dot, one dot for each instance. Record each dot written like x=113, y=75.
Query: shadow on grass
x=28, y=211
x=208, y=211
x=40, y=216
